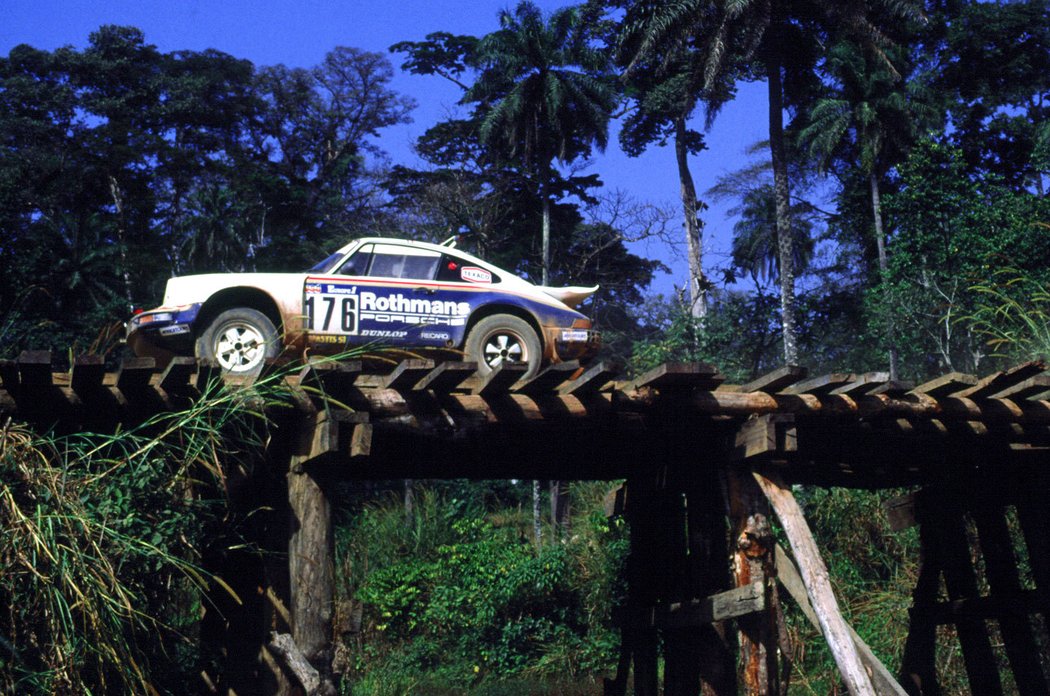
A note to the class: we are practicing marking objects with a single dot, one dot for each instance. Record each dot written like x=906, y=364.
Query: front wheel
x=239, y=340
x=503, y=338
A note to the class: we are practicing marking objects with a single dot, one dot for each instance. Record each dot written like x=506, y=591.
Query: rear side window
x=456, y=270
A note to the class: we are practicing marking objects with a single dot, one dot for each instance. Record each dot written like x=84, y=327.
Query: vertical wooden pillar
x=961, y=581
x=1003, y=580
x=918, y=673
x=310, y=567
x=709, y=574
x=752, y=547
x=639, y=635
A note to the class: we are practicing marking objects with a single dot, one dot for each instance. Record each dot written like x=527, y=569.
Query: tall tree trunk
x=693, y=240
x=880, y=245
x=545, y=200
x=118, y=204
x=785, y=242
x=537, y=523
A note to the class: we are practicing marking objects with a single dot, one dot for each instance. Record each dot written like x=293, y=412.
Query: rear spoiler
x=572, y=295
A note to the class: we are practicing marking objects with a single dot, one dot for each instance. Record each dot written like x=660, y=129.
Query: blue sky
x=299, y=34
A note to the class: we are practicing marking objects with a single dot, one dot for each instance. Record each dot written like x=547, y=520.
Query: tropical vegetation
x=897, y=218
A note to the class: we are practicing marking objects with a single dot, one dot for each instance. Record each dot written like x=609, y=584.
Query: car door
x=388, y=293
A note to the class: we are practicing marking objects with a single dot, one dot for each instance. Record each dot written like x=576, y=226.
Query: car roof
x=440, y=248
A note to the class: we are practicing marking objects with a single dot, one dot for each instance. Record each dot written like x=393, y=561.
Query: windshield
x=326, y=264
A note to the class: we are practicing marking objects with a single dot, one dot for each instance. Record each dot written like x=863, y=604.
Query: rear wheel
x=239, y=340
x=504, y=338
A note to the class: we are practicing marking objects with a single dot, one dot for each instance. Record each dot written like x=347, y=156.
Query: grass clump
x=102, y=536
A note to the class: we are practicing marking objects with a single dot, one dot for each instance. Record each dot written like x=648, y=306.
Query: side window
x=392, y=261
x=448, y=271
x=456, y=270
x=357, y=264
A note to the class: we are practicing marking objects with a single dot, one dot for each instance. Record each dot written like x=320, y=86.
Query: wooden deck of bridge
x=706, y=465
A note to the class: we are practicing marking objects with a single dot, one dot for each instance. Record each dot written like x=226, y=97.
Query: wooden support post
x=961, y=581
x=709, y=571
x=753, y=562
x=1003, y=580
x=818, y=584
x=310, y=554
x=918, y=664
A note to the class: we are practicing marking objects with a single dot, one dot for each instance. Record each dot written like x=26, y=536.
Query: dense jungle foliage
x=896, y=219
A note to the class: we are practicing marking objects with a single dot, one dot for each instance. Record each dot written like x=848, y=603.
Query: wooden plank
x=34, y=368
x=820, y=385
x=946, y=385
x=176, y=375
x=863, y=384
x=1022, y=603
x=329, y=378
x=720, y=607
x=776, y=380
x=500, y=379
x=86, y=375
x=446, y=376
x=135, y=373
x=677, y=375
x=328, y=435
x=894, y=387
x=817, y=583
x=1033, y=386
x=592, y=380
x=790, y=577
x=406, y=374
x=549, y=379
x=1000, y=381
x=772, y=433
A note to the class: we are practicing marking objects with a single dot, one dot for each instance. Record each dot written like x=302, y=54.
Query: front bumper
x=163, y=331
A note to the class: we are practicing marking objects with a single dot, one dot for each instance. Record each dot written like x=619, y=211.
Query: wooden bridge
x=706, y=465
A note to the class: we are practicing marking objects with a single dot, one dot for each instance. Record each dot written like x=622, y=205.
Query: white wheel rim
x=240, y=347
x=504, y=347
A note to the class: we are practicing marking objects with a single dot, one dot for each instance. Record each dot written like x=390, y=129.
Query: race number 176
x=331, y=313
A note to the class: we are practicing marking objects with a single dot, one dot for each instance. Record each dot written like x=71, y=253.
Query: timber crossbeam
x=822, y=429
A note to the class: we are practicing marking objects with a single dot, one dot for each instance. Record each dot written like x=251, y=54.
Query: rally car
x=375, y=290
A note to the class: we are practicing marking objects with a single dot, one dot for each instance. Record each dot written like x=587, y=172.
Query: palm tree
x=755, y=238
x=543, y=95
x=780, y=38
x=870, y=117
x=667, y=87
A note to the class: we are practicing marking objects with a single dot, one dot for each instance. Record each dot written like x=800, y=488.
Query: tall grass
x=1013, y=314
x=100, y=542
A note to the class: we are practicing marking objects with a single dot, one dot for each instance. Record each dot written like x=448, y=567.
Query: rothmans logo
x=370, y=302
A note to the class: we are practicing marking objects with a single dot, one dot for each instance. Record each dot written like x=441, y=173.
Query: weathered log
x=789, y=576
x=283, y=646
x=818, y=584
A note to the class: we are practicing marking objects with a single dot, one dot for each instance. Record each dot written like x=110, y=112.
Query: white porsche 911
x=386, y=291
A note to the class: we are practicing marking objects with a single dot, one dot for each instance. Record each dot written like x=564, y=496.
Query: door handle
x=429, y=291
